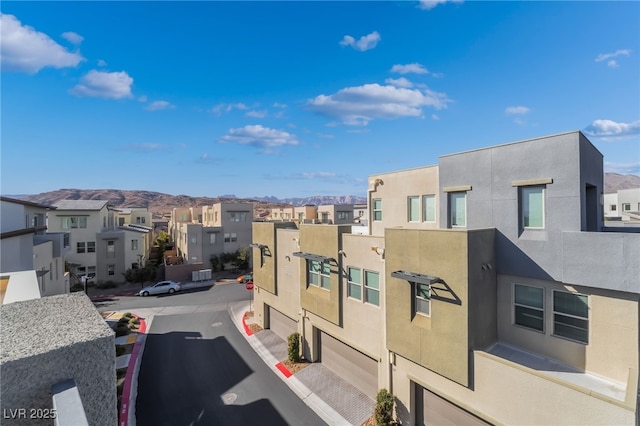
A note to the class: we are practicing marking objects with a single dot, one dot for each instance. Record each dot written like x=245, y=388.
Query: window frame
x=425, y=217
x=568, y=315
x=81, y=247
x=91, y=246
x=410, y=209
x=523, y=210
x=516, y=304
x=626, y=207
x=417, y=298
x=365, y=287
x=452, y=211
x=134, y=244
x=323, y=278
x=357, y=284
x=376, y=211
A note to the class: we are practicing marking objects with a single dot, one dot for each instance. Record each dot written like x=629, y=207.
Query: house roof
x=26, y=203
x=80, y=204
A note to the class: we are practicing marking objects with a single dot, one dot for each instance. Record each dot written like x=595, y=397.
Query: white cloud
x=364, y=43
x=142, y=98
x=430, y=4
x=400, y=82
x=102, y=63
x=361, y=104
x=622, y=168
x=102, y=84
x=435, y=117
x=611, y=130
x=257, y=114
x=517, y=110
x=604, y=56
x=414, y=68
x=279, y=105
x=25, y=49
x=159, y=105
x=72, y=37
x=259, y=136
x=220, y=108
x=612, y=64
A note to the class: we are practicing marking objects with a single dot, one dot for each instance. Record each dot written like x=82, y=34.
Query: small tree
x=215, y=263
x=384, y=408
x=242, y=257
x=293, y=342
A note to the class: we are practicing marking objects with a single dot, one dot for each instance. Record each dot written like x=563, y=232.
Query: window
x=355, y=283
x=183, y=217
x=613, y=207
x=134, y=244
x=111, y=248
x=372, y=287
x=73, y=222
x=120, y=221
x=91, y=247
x=343, y=215
x=429, y=208
x=626, y=207
x=300, y=216
x=319, y=274
x=111, y=269
x=194, y=239
x=528, y=305
x=413, y=209
x=227, y=237
x=422, y=298
x=212, y=238
x=532, y=199
x=377, y=209
x=458, y=208
x=571, y=316
x=238, y=216
x=234, y=237
x=140, y=220
x=66, y=240
x=80, y=248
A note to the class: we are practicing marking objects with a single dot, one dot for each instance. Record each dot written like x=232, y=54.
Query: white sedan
x=161, y=287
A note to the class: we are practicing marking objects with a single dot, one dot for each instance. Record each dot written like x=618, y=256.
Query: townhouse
x=27, y=245
x=486, y=290
x=101, y=248
x=623, y=205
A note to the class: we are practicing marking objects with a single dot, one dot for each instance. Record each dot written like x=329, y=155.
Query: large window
x=230, y=238
x=343, y=215
x=377, y=209
x=212, y=238
x=140, y=220
x=529, y=306
x=429, y=208
x=91, y=247
x=571, y=316
x=413, y=209
x=73, y=222
x=319, y=274
x=458, y=208
x=423, y=298
x=238, y=216
x=355, y=283
x=372, y=287
x=532, y=206
x=80, y=248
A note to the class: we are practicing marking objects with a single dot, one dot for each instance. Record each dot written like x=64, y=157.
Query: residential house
x=27, y=245
x=335, y=214
x=305, y=214
x=282, y=213
x=623, y=205
x=487, y=291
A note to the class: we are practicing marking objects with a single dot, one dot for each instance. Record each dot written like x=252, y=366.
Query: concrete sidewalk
x=335, y=400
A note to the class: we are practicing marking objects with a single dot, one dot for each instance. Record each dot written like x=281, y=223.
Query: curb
x=128, y=398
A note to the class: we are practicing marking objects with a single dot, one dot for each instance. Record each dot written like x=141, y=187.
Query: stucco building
x=486, y=290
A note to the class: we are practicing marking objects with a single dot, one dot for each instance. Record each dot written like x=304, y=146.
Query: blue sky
x=295, y=99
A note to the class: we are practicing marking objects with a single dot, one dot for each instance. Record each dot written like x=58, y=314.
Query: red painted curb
x=244, y=324
x=284, y=370
x=126, y=390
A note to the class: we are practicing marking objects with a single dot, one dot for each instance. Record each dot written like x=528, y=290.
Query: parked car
x=161, y=287
x=244, y=278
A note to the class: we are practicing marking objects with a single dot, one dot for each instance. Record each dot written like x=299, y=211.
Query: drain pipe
x=304, y=314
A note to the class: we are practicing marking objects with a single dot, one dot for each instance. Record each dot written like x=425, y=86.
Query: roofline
x=27, y=203
x=405, y=170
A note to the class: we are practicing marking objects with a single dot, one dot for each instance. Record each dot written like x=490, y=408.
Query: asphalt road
x=197, y=369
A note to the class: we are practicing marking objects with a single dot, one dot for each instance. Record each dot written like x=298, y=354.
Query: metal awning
x=415, y=277
x=316, y=257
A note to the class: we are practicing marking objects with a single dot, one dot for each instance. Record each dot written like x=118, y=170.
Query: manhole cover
x=229, y=398
x=216, y=324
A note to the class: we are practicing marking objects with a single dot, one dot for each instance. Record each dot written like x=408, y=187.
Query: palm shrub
x=384, y=408
x=293, y=342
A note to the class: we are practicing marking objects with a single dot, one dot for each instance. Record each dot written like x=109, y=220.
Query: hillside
x=614, y=182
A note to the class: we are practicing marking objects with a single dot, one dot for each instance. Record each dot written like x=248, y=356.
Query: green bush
x=384, y=408
x=106, y=284
x=294, y=347
x=121, y=329
x=76, y=287
x=134, y=321
x=128, y=315
x=123, y=320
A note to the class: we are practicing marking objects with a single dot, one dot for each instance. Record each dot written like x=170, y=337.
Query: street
x=197, y=369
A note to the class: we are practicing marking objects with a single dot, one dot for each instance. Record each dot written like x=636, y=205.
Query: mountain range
x=163, y=203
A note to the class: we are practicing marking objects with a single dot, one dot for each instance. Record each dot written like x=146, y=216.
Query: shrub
x=123, y=320
x=121, y=329
x=106, y=284
x=384, y=408
x=294, y=347
x=76, y=287
x=134, y=321
x=127, y=315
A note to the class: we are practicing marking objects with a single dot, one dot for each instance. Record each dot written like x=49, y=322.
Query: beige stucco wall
x=506, y=394
x=394, y=189
x=613, y=329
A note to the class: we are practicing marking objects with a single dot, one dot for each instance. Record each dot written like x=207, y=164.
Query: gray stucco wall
x=48, y=340
x=493, y=199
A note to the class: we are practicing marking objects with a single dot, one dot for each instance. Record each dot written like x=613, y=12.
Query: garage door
x=434, y=410
x=281, y=324
x=350, y=364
